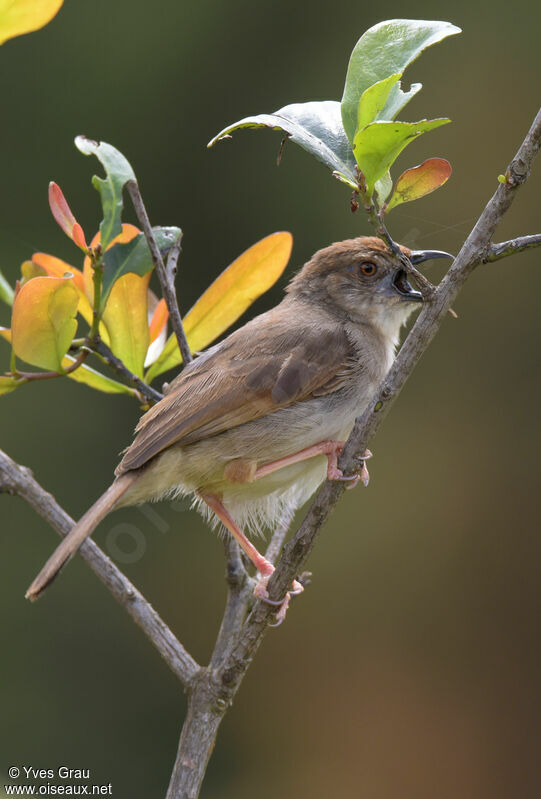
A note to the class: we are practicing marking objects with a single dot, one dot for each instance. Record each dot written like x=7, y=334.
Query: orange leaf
x=63, y=215
x=159, y=319
x=43, y=322
x=56, y=267
x=420, y=180
x=24, y=16
x=246, y=279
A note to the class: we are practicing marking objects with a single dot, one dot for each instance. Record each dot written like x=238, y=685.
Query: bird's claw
x=334, y=473
x=261, y=593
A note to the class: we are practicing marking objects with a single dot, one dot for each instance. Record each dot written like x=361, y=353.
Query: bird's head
x=361, y=280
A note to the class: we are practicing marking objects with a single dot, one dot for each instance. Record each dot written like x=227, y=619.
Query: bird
x=252, y=426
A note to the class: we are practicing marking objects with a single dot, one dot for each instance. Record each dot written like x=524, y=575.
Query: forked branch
x=212, y=689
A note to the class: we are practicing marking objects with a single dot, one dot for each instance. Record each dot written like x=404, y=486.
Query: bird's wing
x=264, y=366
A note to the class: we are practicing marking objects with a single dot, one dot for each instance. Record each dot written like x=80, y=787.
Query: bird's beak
x=418, y=256
x=402, y=285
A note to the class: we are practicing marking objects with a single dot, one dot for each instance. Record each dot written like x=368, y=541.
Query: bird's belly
x=261, y=503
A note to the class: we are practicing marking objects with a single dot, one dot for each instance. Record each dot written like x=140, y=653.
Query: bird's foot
x=260, y=592
x=334, y=473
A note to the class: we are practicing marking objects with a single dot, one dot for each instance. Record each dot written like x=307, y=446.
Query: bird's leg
x=263, y=566
x=332, y=450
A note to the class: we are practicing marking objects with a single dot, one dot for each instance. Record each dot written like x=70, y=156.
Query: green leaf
x=7, y=384
x=6, y=292
x=118, y=172
x=377, y=146
x=420, y=180
x=398, y=99
x=134, y=256
x=316, y=127
x=384, y=50
x=383, y=188
x=373, y=100
x=85, y=374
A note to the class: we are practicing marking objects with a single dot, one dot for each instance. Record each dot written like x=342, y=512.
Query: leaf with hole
x=383, y=51
x=118, y=172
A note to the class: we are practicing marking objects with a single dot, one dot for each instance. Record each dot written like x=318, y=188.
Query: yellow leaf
x=56, y=267
x=5, y=332
x=23, y=16
x=126, y=313
x=85, y=374
x=43, y=322
x=126, y=320
x=225, y=300
x=51, y=265
x=30, y=270
x=7, y=384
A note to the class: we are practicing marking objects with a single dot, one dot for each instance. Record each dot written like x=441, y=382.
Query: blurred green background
x=410, y=668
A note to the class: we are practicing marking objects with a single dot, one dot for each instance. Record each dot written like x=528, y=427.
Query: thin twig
x=165, y=276
x=511, y=247
x=100, y=348
x=29, y=376
x=376, y=218
x=16, y=479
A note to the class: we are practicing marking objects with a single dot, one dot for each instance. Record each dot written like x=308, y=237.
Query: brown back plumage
x=264, y=366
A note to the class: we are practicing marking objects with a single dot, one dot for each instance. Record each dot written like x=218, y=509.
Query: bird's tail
x=82, y=529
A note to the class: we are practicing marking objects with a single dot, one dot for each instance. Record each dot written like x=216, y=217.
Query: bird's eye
x=368, y=269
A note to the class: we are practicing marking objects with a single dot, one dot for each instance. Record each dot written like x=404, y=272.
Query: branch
x=213, y=689
x=432, y=314
x=165, y=276
x=505, y=248
x=100, y=348
x=16, y=479
x=239, y=596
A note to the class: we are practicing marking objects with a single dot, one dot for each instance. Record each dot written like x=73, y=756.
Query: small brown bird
x=254, y=425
